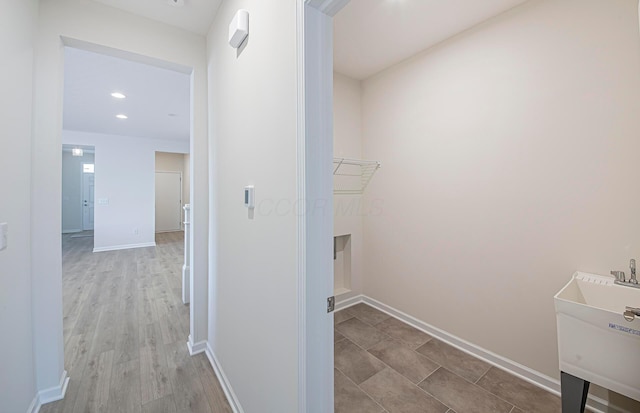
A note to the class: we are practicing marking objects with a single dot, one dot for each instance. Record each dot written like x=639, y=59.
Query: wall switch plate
x=103, y=201
x=4, y=228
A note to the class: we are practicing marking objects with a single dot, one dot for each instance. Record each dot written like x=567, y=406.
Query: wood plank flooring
x=125, y=333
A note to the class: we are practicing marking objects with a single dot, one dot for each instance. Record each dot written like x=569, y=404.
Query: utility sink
x=595, y=341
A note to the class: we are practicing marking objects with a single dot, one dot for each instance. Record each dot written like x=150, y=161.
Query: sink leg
x=574, y=393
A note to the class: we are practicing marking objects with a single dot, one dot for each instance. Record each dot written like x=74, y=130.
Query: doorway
x=172, y=181
x=155, y=45
x=78, y=184
x=168, y=201
x=88, y=197
x=119, y=108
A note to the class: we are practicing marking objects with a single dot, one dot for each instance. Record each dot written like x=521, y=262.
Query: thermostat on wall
x=249, y=197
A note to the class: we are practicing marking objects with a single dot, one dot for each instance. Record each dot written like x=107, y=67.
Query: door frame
x=46, y=265
x=315, y=186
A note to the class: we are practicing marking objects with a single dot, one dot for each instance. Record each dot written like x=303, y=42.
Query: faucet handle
x=619, y=275
x=631, y=313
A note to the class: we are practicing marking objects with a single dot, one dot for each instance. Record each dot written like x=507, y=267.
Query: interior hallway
x=125, y=332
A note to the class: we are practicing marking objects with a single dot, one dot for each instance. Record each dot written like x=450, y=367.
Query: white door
x=168, y=201
x=88, y=184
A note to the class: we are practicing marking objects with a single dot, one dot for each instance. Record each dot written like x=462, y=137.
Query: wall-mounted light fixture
x=239, y=28
x=77, y=152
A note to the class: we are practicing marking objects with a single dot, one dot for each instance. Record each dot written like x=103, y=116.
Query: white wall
x=158, y=43
x=347, y=141
x=253, y=315
x=72, y=190
x=169, y=162
x=125, y=176
x=510, y=158
x=17, y=374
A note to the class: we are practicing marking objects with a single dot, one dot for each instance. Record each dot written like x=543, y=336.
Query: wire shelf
x=351, y=176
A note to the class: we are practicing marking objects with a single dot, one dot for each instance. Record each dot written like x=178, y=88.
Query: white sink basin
x=595, y=342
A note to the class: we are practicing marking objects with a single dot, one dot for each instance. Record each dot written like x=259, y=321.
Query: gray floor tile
x=337, y=336
x=367, y=313
x=454, y=360
x=354, y=362
x=360, y=333
x=399, y=330
x=461, y=395
x=340, y=316
x=404, y=360
x=518, y=392
x=350, y=399
x=516, y=410
x=398, y=395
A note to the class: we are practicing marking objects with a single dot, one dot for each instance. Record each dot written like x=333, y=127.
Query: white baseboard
x=71, y=231
x=348, y=302
x=224, y=382
x=34, y=407
x=525, y=373
x=599, y=405
x=124, y=247
x=55, y=393
x=196, y=348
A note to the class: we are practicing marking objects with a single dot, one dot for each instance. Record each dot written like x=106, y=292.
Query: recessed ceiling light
x=177, y=3
x=121, y=116
x=118, y=95
x=172, y=115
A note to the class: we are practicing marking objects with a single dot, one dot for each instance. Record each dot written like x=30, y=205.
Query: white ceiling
x=371, y=35
x=153, y=94
x=195, y=16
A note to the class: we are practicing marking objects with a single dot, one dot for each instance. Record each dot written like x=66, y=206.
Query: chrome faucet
x=619, y=276
x=621, y=280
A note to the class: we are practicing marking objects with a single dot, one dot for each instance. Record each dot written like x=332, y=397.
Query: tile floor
x=385, y=365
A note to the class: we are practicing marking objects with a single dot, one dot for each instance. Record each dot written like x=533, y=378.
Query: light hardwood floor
x=125, y=333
